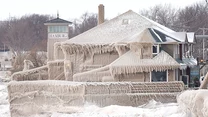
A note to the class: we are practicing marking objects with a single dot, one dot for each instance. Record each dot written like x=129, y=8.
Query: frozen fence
x=40, y=73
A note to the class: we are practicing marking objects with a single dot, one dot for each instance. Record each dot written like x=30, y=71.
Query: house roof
x=187, y=62
x=117, y=29
x=161, y=36
x=190, y=62
x=183, y=66
x=130, y=63
x=142, y=37
x=57, y=20
x=181, y=36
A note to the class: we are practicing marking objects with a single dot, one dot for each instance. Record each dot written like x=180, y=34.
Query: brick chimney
x=100, y=14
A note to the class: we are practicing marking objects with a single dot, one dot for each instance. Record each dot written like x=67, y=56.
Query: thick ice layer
x=34, y=97
x=39, y=73
x=151, y=109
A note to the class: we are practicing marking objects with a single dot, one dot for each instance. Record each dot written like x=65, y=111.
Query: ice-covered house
x=129, y=47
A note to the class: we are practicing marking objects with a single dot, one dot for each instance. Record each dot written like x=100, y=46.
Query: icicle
x=24, y=75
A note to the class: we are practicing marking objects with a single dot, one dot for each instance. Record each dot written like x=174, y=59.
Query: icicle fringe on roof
x=129, y=63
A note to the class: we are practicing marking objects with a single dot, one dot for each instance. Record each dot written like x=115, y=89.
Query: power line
x=204, y=31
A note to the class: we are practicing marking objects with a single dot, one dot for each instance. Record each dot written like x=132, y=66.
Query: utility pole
x=203, y=46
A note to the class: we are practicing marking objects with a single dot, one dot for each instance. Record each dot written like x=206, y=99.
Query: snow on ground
x=152, y=109
x=4, y=105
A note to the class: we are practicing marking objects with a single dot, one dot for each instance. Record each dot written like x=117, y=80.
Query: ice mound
x=194, y=102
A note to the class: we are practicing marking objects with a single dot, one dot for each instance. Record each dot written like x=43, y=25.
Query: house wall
x=80, y=62
x=105, y=58
x=171, y=75
x=147, y=52
x=139, y=77
x=169, y=48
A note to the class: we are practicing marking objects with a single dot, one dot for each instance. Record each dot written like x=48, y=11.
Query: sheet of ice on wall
x=152, y=109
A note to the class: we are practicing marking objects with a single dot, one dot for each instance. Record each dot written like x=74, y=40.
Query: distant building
x=58, y=30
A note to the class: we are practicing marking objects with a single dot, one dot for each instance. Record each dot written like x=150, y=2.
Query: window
x=125, y=21
x=185, y=79
x=155, y=49
x=57, y=29
x=159, y=76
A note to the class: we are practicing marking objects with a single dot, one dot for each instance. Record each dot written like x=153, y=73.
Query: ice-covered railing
x=96, y=75
x=40, y=73
x=27, y=98
x=54, y=70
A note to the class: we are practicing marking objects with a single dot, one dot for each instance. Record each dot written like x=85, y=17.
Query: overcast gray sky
x=70, y=9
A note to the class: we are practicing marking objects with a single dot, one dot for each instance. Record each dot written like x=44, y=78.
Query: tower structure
x=58, y=30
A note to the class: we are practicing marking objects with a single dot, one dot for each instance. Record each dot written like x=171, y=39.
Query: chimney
x=100, y=14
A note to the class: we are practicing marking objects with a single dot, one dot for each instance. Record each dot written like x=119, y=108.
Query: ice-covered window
x=125, y=21
x=159, y=76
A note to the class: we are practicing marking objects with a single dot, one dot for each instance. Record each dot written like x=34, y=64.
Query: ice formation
x=107, y=65
x=151, y=109
x=56, y=70
x=34, y=97
x=194, y=102
x=27, y=65
x=40, y=73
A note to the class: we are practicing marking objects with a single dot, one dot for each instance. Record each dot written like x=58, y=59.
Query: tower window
x=57, y=29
